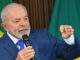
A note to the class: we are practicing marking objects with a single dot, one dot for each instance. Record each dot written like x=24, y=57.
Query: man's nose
x=23, y=23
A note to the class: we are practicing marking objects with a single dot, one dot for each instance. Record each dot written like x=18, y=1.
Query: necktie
x=21, y=44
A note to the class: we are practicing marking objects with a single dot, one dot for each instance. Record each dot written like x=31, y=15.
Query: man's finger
x=30, y=55
x=69, y=30
x=62, y=28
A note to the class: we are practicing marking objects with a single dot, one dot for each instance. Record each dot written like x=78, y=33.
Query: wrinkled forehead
x=16, y=11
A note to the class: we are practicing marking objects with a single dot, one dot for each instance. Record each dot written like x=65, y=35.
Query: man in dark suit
x=43, y=45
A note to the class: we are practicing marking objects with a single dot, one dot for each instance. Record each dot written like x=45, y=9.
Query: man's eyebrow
x=26, y=16
x=17, y=19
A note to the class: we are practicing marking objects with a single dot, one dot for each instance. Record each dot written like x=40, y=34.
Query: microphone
x=27, y=42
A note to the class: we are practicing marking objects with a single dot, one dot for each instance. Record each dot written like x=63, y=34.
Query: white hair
x=5, y=12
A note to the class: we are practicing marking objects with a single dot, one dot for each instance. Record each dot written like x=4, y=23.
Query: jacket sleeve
x=63, y=50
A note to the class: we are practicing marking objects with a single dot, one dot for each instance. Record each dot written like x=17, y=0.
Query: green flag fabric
x=66, y=12
x=2, y=4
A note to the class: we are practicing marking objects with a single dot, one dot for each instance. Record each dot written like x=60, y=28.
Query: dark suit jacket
x=46, y=47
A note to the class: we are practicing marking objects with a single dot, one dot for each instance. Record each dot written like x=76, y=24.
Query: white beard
x=17, y=33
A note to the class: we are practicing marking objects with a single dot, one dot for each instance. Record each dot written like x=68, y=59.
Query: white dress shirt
x=70, y=40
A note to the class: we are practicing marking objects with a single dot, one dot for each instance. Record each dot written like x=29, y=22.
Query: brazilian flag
x=2, y=4
x=66, y=12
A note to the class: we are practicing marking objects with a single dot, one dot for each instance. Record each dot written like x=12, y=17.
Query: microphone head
x=25, y=38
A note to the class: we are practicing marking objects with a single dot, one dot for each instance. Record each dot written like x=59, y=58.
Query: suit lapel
x=10, y=47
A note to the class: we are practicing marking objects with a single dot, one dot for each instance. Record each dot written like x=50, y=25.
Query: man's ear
x=4, y=25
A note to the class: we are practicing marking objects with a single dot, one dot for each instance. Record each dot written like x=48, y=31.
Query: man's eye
x=26, y=18
x=17, y=21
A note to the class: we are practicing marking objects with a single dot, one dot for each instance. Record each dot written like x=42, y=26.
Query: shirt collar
x=15, y=40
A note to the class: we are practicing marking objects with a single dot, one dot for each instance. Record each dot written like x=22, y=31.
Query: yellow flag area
x=77, y=58
x=1, y=34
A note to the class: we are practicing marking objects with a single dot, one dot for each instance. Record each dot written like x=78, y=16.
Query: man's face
x=18, y=23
